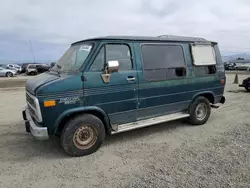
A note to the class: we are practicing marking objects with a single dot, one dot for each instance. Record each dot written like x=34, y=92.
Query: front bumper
x=40, y=133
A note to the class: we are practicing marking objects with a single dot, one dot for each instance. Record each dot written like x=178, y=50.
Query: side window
x=203, y=55
x=116, y=52
x=120, y=53
x=204, y=70
x=98, y=63
x=163, y=62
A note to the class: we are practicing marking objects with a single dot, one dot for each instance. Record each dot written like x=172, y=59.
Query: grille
x=33, y=113
x=30, y=100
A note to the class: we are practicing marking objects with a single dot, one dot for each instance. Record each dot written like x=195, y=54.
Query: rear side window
x=204, y=59
x=113, y=52
x=162, y=62
x=32, y=66
x=204, y=70
x=203, y=55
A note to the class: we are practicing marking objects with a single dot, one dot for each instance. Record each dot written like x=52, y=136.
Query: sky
x=43, y=30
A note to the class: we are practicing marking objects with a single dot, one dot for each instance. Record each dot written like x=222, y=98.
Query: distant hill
x=235, y=56
x=3, y=61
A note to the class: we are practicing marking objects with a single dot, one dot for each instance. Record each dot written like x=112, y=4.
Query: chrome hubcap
x=85, y=137
x=201, y=111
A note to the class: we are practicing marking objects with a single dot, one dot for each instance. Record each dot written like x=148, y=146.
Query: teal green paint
x=121, y=101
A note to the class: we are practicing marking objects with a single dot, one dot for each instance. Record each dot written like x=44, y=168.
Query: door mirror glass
x=113, y=66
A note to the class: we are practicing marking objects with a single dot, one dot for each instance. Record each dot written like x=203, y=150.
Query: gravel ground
x=174, y=154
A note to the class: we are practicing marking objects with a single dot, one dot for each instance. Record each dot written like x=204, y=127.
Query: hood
x=34, y=83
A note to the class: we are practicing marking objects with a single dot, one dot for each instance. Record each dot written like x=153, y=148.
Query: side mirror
x=113, y=66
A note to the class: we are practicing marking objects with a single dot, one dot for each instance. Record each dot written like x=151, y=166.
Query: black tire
x=194, y=118
x=247, y=88
x=9, y=74
x=86, y=125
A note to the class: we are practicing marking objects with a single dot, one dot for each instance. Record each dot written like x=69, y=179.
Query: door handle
x=130, y=78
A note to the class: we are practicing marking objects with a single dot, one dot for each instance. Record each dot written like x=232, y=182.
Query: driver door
x=119, y=96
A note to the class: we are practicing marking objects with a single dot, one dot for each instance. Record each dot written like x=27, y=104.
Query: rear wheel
x=9, y=74
x=199, y=111
x=82, y=135
x=247, y=88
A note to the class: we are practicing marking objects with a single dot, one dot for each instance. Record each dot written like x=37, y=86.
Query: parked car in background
x=41, y=68
x=242, y=66
x=31, y=69
x=14, y=67
x=229, y=66
x=7, y=72
x=239, y=64
x=246, y=84
x=23, y=67
x=10, y=68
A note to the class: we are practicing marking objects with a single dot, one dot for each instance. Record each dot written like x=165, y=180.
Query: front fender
x=72, y=111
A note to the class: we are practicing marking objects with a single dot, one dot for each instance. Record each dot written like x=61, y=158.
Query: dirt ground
x=174, y=154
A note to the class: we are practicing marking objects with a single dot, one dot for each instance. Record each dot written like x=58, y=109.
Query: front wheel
x=199, y=111
x=9, y=74
x=82, y=135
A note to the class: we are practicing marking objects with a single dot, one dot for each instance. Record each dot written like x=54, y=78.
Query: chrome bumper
x=40, y=133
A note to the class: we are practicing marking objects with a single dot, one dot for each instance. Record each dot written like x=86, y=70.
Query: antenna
x=31, y=49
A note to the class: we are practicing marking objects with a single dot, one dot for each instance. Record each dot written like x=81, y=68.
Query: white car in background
x=242, y=66
x=31, y=69
x=15, y=67
x=7, y=72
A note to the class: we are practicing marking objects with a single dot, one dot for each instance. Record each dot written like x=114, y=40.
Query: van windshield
x=73, y=58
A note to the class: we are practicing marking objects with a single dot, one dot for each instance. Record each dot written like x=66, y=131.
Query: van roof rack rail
x=182, y=37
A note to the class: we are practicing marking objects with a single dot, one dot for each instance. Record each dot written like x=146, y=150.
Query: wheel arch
x=96, y=111
x=207, y=94
x=8, y=72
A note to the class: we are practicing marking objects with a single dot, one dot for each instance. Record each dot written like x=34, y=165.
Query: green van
x=108, y=85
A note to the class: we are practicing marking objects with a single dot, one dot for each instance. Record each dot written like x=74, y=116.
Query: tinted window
x=116, y=52
x=163, y=62
x=32, y=66
x=204, y=70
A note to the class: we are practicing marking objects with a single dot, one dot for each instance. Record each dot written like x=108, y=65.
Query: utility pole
x=32, y=52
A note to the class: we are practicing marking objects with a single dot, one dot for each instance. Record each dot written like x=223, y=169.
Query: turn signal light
x=49, y=103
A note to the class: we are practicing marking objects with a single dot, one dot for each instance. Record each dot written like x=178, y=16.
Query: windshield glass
x=73, y=58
